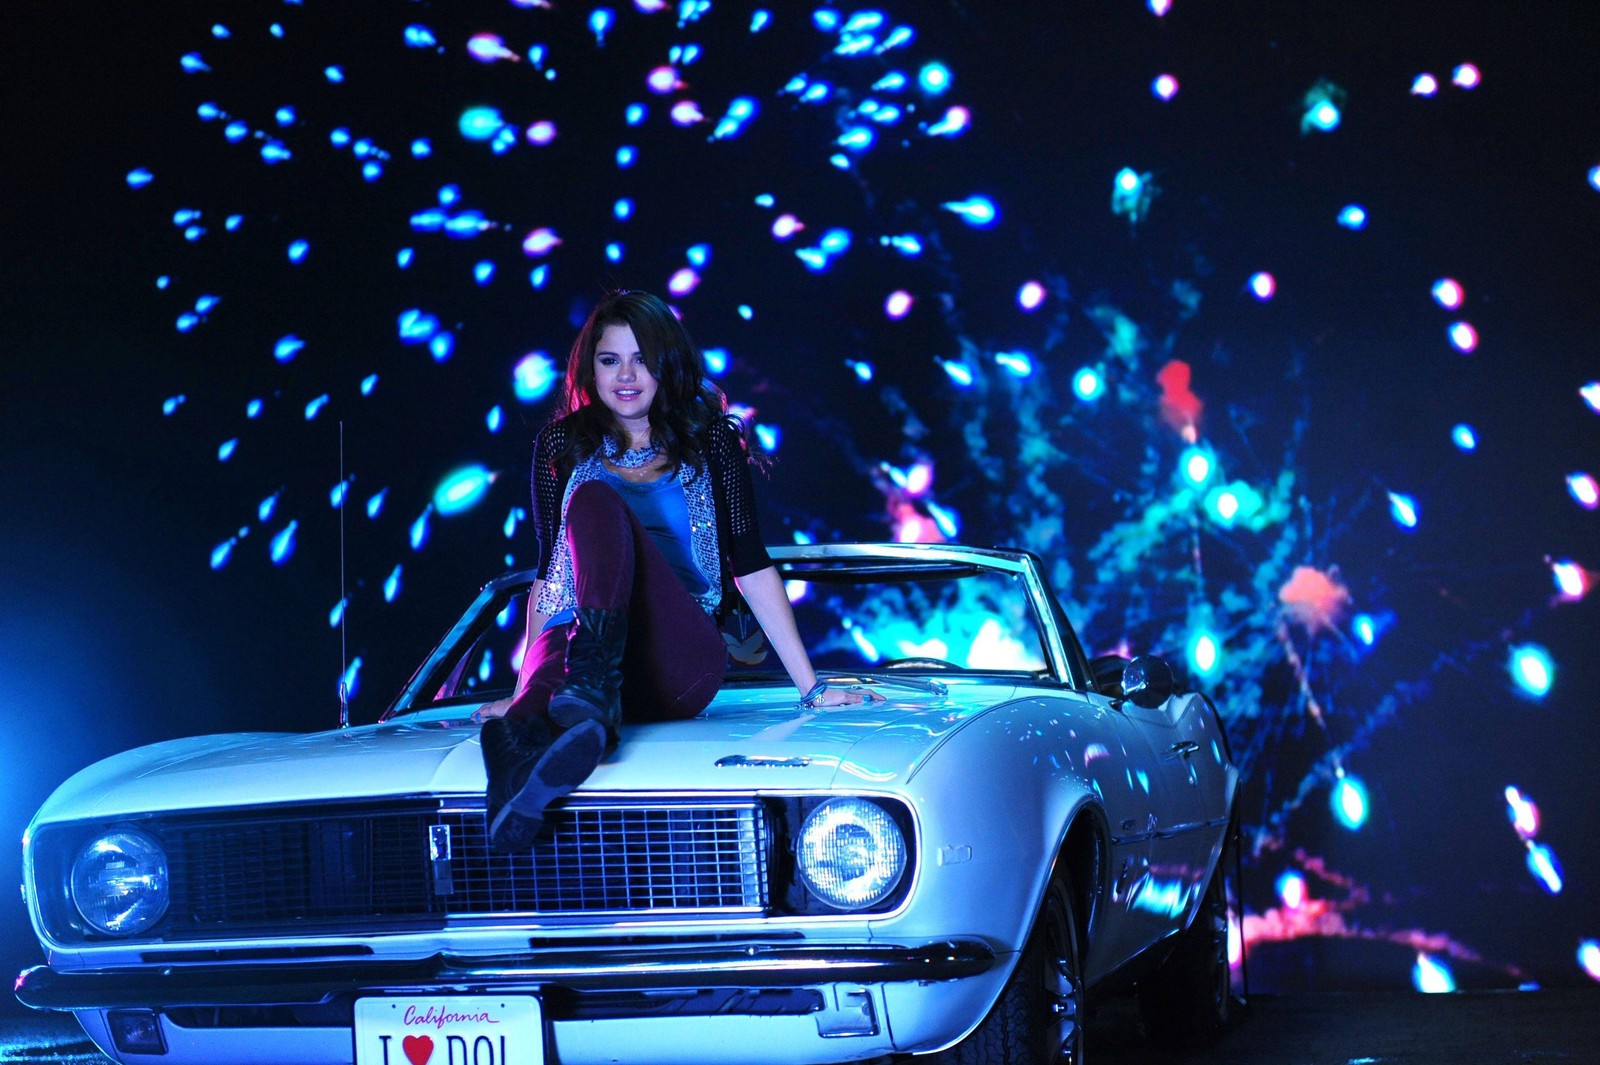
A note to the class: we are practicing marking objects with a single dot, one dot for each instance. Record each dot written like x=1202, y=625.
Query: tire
x=1038, y=1019
x=1187, y=1003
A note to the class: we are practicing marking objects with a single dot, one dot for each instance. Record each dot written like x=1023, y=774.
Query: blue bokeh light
x=462, y=490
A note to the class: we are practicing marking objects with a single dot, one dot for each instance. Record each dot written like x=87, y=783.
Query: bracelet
x=809, y=699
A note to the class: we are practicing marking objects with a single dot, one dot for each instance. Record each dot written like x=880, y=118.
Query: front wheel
x=1038, y=1019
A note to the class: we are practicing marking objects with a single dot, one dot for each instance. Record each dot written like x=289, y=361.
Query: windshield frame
x=1065, y=662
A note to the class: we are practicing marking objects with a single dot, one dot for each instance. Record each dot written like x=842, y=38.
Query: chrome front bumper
x=752, y=965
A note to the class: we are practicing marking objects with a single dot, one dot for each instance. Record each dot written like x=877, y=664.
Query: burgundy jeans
x=675, y=657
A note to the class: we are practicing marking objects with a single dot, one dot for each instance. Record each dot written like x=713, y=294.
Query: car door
x=1189, y=768
x=1119, y=763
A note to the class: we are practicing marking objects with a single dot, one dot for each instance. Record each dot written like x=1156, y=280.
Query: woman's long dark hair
x=686, y=404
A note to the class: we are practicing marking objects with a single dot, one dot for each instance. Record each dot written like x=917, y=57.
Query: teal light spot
x=462, y=489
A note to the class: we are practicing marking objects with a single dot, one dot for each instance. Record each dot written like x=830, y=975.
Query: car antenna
x=344, y=665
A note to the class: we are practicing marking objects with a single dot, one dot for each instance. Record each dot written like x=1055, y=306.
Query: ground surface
x=1472, y=1028
x=1505, y=1028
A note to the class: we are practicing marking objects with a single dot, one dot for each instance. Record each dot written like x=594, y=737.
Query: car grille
x=409, y=864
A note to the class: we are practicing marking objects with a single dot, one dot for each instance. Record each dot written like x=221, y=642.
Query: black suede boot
x=593, y=687
x=512, y=748
x=565, y=762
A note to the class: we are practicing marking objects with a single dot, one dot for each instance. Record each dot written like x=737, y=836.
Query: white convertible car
x=945, y=873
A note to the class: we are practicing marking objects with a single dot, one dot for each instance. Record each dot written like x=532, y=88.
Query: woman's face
x=622, y=380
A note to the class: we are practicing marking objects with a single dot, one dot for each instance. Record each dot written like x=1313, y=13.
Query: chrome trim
x=545, y=920
x=1189, y=826
x=753, y=965
x=445, y=647
x=994, y=558
x=882, y=679
x=760, y=761
x=1168, y=832
x=1014, y=562
x=440, y=851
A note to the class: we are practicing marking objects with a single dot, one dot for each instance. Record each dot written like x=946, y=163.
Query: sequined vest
x=560, y=591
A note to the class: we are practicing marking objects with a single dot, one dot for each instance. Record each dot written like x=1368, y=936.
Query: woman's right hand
x=494, y=709
x=848, y=695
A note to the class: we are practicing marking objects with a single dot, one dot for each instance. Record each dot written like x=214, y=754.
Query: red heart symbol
x=418, y=1048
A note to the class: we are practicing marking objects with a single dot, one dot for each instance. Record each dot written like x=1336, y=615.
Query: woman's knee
x=596, y=513
x=592, y=496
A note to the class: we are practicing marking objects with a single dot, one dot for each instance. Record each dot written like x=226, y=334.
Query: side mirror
x=1147, y=682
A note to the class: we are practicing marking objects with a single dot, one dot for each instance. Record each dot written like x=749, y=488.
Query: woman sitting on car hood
x=645, y=511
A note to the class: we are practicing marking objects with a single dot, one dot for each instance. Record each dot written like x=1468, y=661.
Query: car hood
x=746, y=740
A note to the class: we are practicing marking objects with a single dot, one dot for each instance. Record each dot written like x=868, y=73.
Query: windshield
x=934, y=619
x=853, y=618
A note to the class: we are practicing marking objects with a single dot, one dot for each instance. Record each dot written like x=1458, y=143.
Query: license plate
x=449, y=1030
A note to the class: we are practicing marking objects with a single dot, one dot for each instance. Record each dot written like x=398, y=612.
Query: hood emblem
x=761, y=761
x=439, y=855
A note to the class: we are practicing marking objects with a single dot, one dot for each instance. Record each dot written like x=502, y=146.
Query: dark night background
x=116, y=631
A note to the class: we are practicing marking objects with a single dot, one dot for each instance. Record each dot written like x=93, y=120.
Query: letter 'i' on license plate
x=449, y=1030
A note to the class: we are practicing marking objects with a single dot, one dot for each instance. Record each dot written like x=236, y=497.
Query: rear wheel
x=1188, y=1002
x=1038, y=1019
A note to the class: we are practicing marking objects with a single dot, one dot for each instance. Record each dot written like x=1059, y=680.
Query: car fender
x=995, y=804
x=82, y=794
x=998, y=805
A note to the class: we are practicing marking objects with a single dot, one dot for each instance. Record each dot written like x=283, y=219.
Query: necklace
x=636, y=458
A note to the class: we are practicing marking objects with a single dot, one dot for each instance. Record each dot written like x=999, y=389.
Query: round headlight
x=851, y=853
x=120, y=883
